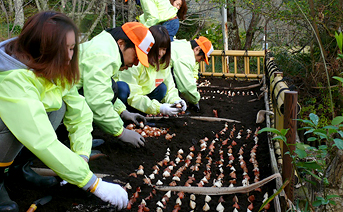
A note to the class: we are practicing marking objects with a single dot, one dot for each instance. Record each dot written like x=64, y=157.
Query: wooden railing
x=246, y=71
x=286, y=108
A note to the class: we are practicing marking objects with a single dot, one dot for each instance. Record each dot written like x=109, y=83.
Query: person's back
x=156, y=11
x=101, y=60
x=185, y=59
x=102, y=48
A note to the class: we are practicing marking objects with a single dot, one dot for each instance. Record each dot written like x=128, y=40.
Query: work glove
x=132, y=137
x=132, y=117
x=169, y=109
x=183, y=104
x=195, y=107
x=110, y=192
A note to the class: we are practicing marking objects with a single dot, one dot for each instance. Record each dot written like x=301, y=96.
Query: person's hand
x=132, y=117
x=110, y=192
x=169, y=109
x=195, y=107
x=182, y=103
x=132, y=137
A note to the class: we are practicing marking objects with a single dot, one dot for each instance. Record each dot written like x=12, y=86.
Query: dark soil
x=123, y=159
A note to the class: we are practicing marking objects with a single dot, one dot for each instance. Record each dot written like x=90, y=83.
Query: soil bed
x=122, y=159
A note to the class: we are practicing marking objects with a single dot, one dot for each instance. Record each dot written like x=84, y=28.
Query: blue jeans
x=172, y=26
x=123, y=92
x=159, y=92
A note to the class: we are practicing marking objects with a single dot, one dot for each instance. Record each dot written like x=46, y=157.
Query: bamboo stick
x=233, y=88
x=202, y=118
x=217, y=190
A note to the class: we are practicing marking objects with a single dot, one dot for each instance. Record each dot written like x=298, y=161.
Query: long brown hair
x=181, y=13
x=162, y=40
x=42, y=46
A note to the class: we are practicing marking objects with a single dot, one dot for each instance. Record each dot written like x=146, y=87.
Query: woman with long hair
x=151, y=90
x=38, y=71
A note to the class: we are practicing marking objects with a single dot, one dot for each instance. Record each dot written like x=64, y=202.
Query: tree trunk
x=19, y=13
x=335, y=170
x=72, y=15
x=63, y=5
x=3, y=8
x=251, y=30
x=130, y=12
x=10, y=7
x=114, y=13
x=234, y=41
x=44, y=4
x=102, y=11
x=38, y=5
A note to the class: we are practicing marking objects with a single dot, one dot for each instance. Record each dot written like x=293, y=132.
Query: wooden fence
x=246, y=56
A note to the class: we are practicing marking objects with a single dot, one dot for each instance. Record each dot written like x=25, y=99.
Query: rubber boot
x=6, y=204
x=37, y=180
x=21, y=171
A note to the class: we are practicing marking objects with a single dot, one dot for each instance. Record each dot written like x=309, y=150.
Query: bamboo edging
x=202, y=118
x=233, y=88
x=219, y=190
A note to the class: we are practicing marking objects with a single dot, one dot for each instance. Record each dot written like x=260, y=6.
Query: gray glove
x=169, y=109
x=132, y=137
x=132, y=117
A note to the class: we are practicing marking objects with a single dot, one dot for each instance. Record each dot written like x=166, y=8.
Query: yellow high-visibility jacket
x=99, y=61
x=142, y=81
x=24, y=102
x=185, y=70
x=156, y=11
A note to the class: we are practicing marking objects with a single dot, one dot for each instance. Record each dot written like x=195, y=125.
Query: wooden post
x=290, y=114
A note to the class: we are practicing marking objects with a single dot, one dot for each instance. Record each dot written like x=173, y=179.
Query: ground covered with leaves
x=208, y=165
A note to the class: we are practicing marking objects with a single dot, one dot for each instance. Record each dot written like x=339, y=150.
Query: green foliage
x=339, y=40
x=215, y=35
x=187, y=30
x=310, y=160
x=293, y=64
x=15, y=29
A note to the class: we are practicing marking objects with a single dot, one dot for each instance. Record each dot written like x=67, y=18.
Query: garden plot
x=200, y=154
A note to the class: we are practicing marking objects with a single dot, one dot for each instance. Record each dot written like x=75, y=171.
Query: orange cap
x=206, y=46
x=142, y=38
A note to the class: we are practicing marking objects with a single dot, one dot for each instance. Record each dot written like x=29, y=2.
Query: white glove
x=112, y=193
x=183, y=104
x=168, y=109
x=132, y=117
x=132, y=137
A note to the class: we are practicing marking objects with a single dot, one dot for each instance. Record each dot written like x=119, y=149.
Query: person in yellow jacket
x=163, y=12
x=151, y=90
x=101, y=59
x=185, y=59
x=38, y=70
